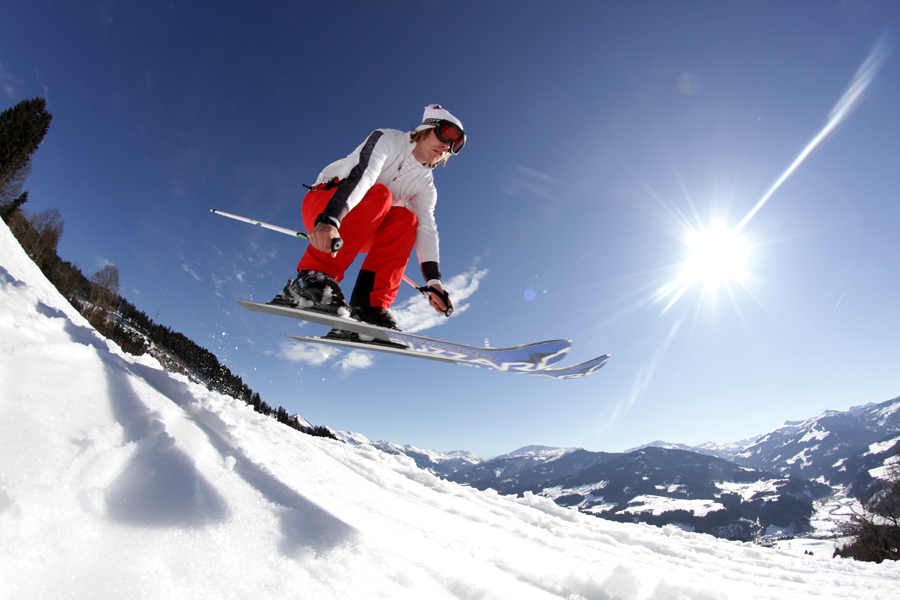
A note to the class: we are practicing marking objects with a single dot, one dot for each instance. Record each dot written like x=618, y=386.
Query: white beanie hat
x=435, y=113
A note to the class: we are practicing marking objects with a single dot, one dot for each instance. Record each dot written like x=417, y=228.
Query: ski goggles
x=449, y=133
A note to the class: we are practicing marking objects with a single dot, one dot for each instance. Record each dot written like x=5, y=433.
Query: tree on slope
x=105, y=287
x=22, y=128
x=46, y=229
x=876, y=531
x=11, y=194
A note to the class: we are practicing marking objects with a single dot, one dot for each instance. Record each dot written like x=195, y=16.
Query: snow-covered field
x=658, y=505
x=119, y=480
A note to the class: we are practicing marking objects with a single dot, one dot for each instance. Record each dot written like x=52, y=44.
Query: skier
x=379, y=200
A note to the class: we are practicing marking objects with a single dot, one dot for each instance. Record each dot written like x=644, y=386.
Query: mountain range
x=755, y=489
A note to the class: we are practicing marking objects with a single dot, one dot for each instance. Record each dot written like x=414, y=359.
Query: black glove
x=444, y=296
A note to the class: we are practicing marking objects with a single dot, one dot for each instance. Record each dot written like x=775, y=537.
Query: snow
x=832, y=511
x=814, y=434
x=886, y=412
x=120, y=480
x=600, y=508
x=658, y=505
x=804, y=456
x=748, y=491
x=583, y=490
x=881, y=472
x=545, y=453
x=881, y=447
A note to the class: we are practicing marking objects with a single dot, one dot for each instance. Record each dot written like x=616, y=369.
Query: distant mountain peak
x=538, y=450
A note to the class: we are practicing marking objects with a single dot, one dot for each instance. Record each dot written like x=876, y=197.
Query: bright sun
x=716, y=256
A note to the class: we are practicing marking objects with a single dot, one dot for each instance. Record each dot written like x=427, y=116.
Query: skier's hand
x=439, y=299
x=321, y=237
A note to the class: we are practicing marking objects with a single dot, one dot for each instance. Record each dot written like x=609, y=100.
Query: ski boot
x=313, y=290
x=375, y=315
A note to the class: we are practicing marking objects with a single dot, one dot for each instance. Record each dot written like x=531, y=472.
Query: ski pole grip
x=443, y=295
x=336, y=244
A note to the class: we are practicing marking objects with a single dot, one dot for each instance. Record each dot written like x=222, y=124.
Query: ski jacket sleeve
x=370, y=159
x=427, y=240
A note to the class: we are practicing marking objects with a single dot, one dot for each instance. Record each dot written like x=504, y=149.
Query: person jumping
x=379, y=200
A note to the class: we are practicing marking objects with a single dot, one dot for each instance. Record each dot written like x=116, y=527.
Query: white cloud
x=415, y=314
x=357, y=359
x=524, y=182
x=316, y=355
x=188, y=269
x=307, y=354
x=6, y=80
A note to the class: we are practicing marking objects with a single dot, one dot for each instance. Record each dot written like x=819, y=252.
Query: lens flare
x=850, y=100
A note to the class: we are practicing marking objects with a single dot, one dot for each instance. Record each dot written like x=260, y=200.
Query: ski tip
x=253, y=306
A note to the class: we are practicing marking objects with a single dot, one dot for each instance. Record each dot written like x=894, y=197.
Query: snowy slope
x=439, y=463
x=833, y=447
x=119, y=480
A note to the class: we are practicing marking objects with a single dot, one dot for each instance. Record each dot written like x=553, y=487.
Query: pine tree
x=11, y=191
x=22, y=128
x=6, y=210
x=47, y=227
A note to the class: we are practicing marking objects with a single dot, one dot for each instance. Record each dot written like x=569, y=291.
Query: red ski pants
x=387, y=233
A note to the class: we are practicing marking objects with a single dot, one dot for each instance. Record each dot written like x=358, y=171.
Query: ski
x=525, y=358
x=584, y=369
x=574, y=372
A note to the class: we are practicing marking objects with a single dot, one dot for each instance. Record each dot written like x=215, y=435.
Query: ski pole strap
x=329, y=185
x=443, y=295
x=336, y=243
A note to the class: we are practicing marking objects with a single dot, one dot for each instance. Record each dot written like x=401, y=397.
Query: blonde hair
x=417, y=136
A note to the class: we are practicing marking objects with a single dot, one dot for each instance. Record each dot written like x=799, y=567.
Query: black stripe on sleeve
x=337, y=206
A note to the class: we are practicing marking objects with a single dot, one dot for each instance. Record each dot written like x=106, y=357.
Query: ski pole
x=424, y=289
x=335, y=243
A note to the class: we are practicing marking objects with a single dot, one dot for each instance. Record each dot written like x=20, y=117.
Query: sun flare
x=716, y=256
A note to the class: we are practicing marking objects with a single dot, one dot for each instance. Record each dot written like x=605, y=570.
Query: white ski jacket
x=386, y=157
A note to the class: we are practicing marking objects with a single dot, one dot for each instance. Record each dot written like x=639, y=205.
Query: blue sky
x=599, y=135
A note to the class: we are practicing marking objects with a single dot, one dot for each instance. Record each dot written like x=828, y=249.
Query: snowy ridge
x=725, y=450
x=438, y=463
x=720, y=450
x=662, y=444
x=840, y=448
x=538, y=452
x=120, y=480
